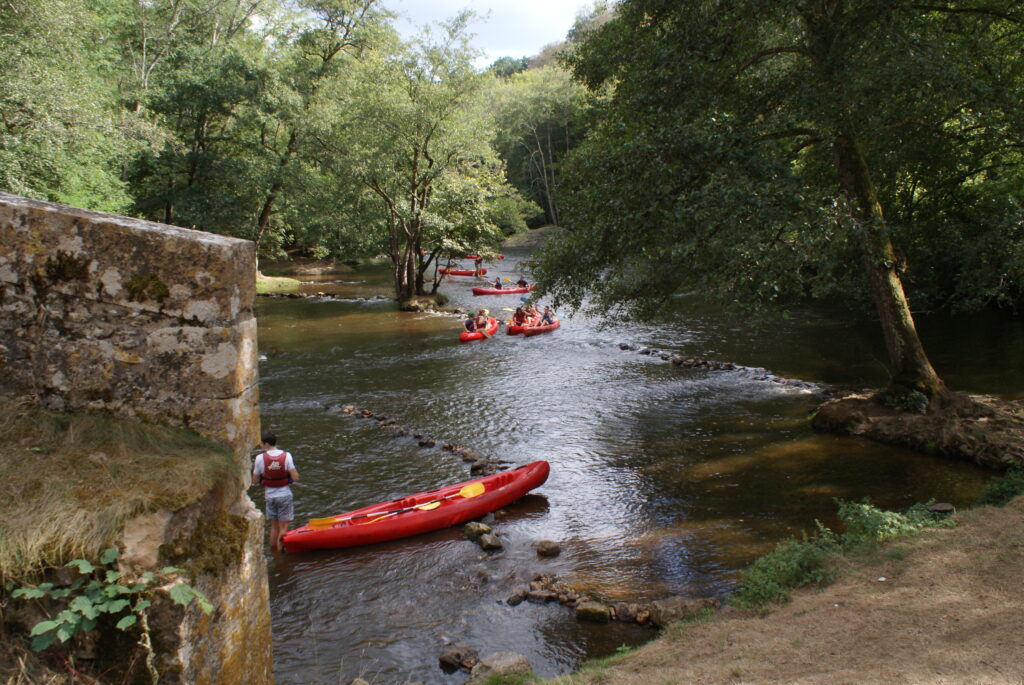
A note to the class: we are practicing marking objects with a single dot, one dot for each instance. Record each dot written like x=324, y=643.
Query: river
x=663, y=480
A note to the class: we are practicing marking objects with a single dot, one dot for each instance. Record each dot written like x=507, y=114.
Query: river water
x=663, y=480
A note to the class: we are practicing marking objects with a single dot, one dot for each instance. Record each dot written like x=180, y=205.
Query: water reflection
x=663, y=480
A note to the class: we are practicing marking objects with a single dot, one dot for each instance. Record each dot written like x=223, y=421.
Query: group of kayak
x=527, y=320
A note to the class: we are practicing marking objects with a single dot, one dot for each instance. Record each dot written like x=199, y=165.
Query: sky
x=513, y=28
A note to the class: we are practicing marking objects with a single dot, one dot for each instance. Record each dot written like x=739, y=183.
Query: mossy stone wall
x=153, y=322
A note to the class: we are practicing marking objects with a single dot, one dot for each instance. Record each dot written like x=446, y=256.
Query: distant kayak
x=462, y=272
x=502, y=291
x=544, y=328
x=419, y=513
x=492, y=328
x=476, y=256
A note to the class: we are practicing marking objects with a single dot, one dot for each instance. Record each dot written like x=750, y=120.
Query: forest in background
x=687, y=147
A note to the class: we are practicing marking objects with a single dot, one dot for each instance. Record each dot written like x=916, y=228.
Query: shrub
x=1003, y=489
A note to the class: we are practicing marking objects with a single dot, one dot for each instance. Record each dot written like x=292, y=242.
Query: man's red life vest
x=274, y=475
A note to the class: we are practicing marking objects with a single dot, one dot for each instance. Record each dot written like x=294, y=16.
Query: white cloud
x=514, y=28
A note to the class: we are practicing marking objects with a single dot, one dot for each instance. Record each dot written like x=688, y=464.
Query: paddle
x=471, y=490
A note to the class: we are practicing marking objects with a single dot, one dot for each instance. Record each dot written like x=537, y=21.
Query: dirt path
x=944, y=607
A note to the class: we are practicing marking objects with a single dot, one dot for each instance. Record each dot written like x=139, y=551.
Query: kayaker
x=531, y=311
x=548, y=317
x=470, y=323
x=497, y=283
x=476, y=267
x=521, y=282
x=481, y=320
x=519, y=318
x=274, y=469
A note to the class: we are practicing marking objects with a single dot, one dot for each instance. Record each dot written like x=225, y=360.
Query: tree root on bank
x=986, y=430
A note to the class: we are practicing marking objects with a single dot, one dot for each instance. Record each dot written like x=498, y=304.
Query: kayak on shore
x=492, y=328
x=462, y=272
x=543, y=328
x=502, y=291
x=419, y=513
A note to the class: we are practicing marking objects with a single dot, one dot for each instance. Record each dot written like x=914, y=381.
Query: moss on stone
x=142, y=287
x=217, y=543
x=64, y=266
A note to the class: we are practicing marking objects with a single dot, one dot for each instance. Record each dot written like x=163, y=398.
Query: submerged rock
x=548, y=548
x=458, y=656
x=490, y=542
x=593, y=611
x=474, y=529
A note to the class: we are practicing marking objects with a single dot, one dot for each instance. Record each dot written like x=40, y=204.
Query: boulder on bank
x=674, y=609
x=500, y=664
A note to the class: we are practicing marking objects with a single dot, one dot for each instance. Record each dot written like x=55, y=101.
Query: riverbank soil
x=942, y=607
x=986, y=430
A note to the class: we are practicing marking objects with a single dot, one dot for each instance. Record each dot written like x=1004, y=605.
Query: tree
x=749, y=149
x=418, y=138
x=539, y=116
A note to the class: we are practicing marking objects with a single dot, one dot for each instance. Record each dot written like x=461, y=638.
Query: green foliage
x=913, y=401
x=100, y=589
x=711, y=164
x=795, y=563
x=1003, y=489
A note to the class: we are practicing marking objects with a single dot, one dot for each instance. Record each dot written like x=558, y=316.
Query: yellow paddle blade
x=317, y=524
x=472, y=490
x=429, y=505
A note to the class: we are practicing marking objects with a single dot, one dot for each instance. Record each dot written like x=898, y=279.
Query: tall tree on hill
x=750, y=147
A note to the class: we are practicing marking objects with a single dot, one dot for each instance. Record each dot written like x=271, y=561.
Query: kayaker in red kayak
x=470, y=323
x=481, y=320
x=548, y=317
x=521, y=282
x=274, y=469
x=519, y=318
x=497, y=283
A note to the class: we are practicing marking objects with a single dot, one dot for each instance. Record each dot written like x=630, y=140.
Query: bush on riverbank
x=795, y=563
x=275, y=284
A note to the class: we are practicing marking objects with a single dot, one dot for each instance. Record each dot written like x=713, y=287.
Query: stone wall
x=156, y=322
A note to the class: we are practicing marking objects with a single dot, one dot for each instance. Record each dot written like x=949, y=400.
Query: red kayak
x=492, y=328
x=544, y=328
x=476, y=256
x=516, y=329
x=419, y=513
x=462, y=272
x=502, y=291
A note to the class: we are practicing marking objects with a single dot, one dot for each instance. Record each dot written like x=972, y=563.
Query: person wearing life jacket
x=274, y=469
x=548, y=318
x=470, y=323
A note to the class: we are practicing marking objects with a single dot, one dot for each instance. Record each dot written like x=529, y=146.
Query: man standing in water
x=274, y=469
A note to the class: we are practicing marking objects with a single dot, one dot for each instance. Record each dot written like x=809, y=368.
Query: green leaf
x=114, y=606
x=42, y=642
x=142, y=605
x=113, y=576
x=182, y=594
x=169, y=570
x=43, y=627
x=83, y=606
x=82, y=565
x=28, y=593
x=109, y=555
x=127, y=622
x=64, y=633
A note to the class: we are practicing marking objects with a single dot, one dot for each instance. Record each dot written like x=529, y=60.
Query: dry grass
x=941, y=607
x=72, y=480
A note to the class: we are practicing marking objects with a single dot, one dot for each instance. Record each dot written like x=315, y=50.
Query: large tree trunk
x=909, y=367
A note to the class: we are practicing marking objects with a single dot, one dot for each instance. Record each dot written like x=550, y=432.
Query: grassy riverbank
x=941, y=606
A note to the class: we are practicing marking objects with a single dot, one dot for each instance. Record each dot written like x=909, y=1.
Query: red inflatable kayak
x=419, y=513
x=537, y=330
x=516, y=329
x=502, y=291
x=462, y=272
x=492, y=328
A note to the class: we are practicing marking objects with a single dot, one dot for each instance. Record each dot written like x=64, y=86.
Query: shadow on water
x=663, y=481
